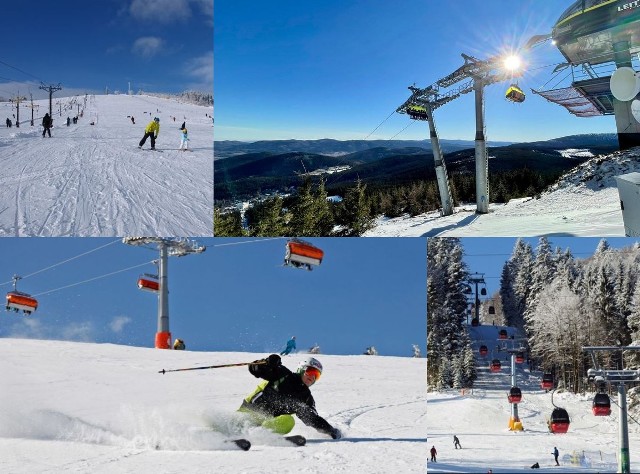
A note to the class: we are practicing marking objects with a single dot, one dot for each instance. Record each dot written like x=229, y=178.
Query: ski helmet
x=156, y=119
x=310, y=363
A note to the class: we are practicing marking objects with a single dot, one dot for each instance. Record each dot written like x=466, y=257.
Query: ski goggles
x=313, y=372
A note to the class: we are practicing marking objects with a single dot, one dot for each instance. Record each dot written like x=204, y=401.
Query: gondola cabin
x=475, y=322
x=503, y=334
x=492, y=310
x=149, y=283
x=601, y=405
x=519, y=358
x=484, y=350
x=495, y=365
x=515, y=395
x=302, y=254
x=18, y=301
x=559, y=421
x=417, y=112
x=515, y=94
x=547, y=382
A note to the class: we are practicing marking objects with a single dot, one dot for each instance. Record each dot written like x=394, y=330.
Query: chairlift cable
x=93, y=279
x=248, y=242
x=373, y=131
x=62, y=262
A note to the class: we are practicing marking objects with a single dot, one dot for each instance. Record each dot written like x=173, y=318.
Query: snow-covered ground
x=103, y=408
x=480, y=419
x=584, y=203
x=92, y=180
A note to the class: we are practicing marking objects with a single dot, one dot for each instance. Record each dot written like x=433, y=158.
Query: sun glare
x=512, y=63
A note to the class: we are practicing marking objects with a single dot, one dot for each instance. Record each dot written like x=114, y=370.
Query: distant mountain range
x=244, y=170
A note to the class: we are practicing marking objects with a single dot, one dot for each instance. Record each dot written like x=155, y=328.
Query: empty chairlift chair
x=301, y=254
x=484, y=351
x=559, y=421
x=515, y=395
x=149, y=283
x=495, y=365
x=601, y=405
x=17, y=300
x=547, y=382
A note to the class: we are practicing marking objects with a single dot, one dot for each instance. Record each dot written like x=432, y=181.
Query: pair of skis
x=245, y=444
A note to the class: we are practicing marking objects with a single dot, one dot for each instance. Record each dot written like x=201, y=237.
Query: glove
x=335, y=433
x=274, y=360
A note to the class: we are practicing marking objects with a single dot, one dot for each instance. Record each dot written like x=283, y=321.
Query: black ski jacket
x=284, y=394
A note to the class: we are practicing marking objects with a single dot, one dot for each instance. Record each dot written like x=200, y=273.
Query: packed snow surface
x=103, y=408
x=583, y=203
x=480, y=419
x=90, y=178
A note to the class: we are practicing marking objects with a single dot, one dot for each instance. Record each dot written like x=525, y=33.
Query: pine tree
x=356, y=211
x=303, y=221
x=228, y=224
x=271, y=221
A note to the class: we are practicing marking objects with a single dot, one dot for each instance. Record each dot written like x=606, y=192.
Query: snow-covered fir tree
x=447, y=336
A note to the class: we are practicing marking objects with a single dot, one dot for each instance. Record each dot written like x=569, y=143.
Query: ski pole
x=163, y=371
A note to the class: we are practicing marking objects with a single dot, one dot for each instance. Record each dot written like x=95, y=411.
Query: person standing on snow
x=47, y=122
x=433, y=453
x=456, y=442
x=151, y=131
x=283, y=394
x=555, y=455
x=291, y=345
x=184, y=138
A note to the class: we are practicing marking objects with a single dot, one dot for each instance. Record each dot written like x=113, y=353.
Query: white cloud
x=201, y=70
x=147, y=46
x=163, y=11
x=82, y=331
x=118, y=323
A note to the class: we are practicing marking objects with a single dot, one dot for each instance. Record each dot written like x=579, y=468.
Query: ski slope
x=583, y=203
x=103, y=408
x=92, y=180
x=480, y=419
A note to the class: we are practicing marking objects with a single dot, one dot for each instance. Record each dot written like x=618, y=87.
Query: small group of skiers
x=152, y=130
x=456, y=443
x=9, y=123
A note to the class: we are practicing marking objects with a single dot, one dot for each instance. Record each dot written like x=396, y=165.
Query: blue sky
x=337, y=69
x=488, y=254
x=157, y=45
x=233, y=297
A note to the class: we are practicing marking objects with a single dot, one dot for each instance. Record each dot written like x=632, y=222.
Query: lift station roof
x=588, y=29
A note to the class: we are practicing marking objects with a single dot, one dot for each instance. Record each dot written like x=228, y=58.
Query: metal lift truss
x=422, y=103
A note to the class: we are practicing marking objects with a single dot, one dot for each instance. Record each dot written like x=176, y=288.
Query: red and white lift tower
x=168, y=247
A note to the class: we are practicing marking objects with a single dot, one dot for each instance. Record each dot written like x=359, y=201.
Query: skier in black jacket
x=47, y=122
x=284, y=393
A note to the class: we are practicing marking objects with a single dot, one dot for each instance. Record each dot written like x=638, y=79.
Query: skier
x=284, y=393
x=456, y=442
x=47, y=122
x=151, y=131
x=8, y=122
x=133, y=120
x=68, y=121
x=555, y=455
x=433, y=453
x=291, y=345
x=184, y=138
